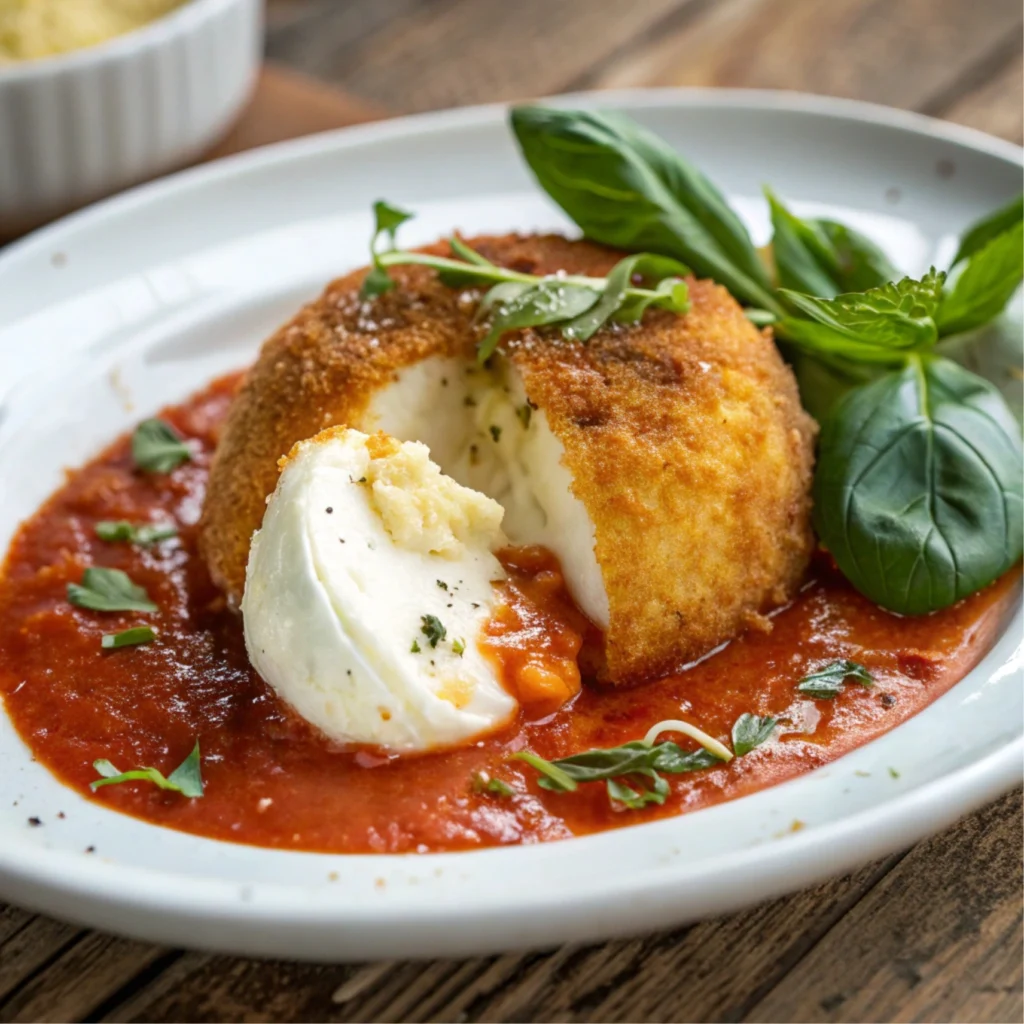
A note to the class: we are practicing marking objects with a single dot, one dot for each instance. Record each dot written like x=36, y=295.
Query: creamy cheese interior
x=366, y=589
x=482, y=431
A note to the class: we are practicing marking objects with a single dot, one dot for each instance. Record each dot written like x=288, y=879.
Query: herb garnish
x=829, y=681
x=156, y=448
x=637, y=763
x=432, y=629
x=576, y=305
x=109, y=590
x=185, y=779
x=525, y=414
x=495, y=433
x=128, y=637
x=143, y=535
x=459, y=647
x=415, y=649
x=481, y=782
x=919, y=486
x=750, y=732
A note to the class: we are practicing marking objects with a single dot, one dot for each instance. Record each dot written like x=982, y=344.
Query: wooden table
x=932, y=934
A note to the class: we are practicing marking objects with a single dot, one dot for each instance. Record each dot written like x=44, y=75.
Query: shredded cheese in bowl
x=30, y=29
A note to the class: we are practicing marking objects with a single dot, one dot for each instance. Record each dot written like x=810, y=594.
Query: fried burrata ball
x=667, y=463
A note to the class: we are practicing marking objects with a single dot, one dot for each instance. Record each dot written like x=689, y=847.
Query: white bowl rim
x=912, y=816
x=177, y=22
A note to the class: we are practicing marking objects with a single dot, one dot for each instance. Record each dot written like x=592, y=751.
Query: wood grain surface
x=933, y=934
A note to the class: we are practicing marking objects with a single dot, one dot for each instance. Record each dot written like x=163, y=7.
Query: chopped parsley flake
x=524, y=412
x=495, y=431
x=415, y=649
x=432, y=629
x=459, y=647
x=442, y=584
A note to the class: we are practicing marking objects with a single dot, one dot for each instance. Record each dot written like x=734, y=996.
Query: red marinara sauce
x=273, y=781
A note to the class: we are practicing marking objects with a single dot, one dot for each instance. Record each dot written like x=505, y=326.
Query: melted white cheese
x=352, y=554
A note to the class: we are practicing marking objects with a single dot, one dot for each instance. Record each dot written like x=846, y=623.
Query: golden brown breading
x=684, y=435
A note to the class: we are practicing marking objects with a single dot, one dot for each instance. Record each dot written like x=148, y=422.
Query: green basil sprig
x=578, y=306
x=749, y=732
x=918, y=493
x=626, y=188
x=830, y=680
x=990, y=227
x=109, y=590
x=636, y=761
x=157, y=448
x=186, y=779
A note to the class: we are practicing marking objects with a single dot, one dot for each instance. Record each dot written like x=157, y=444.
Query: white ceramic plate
x=136, y=302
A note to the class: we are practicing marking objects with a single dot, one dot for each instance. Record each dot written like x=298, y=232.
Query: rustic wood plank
x=938, y=939
x=455, y=52
x=900, y=52
x=29, y=948
x=710, y=971
x=80, y=978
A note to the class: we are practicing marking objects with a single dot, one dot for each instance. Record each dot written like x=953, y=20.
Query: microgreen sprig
x=577, y=305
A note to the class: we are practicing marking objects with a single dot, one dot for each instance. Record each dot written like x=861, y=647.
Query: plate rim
x=43, y=878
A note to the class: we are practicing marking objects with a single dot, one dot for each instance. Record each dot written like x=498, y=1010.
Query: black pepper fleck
x=35, y=822
x=330, y=509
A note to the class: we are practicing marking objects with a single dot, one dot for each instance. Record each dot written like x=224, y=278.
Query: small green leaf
x=553, y=776
x=549, y=302
x=979, y=234
x=432, y=629
x=880, y=325
x=483, y=783
x=459, y=647
x=636, y=800
x=128, y=637
x=993, y=273
x=143, y=535
x=387, y=219
x=750, y=732
x=653, y=269
x=185, y=779
x=829, y=681
x=109, y=590
x=415, y=648
x=376, y=282
x=156, y=448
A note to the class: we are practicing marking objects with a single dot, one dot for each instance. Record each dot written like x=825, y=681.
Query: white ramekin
x=84, y=124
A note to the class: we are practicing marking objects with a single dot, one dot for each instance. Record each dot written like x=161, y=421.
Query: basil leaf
x=659, y=269
x=877, y=326
x=636, y=800
x=548, y=302
x=668, y=757
x=829, y=681
x=185, y=779
x=143, y=535
x=750, y=732
x=553, y=776
x=918, y=492
x=156, y=448
x=109, y=590
x=128, y=638
x=979, y=234
x=823, y=257
x=627, y=188
x=386, y=221
x=993, y=273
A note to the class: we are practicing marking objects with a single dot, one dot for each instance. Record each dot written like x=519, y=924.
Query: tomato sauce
x=273, y=781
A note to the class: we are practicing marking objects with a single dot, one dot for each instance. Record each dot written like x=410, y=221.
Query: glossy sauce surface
x=272, y=781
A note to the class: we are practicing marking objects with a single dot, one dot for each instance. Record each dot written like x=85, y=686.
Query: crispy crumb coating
x=684, y=435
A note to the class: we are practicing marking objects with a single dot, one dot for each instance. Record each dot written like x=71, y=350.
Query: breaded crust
x=685, y=437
